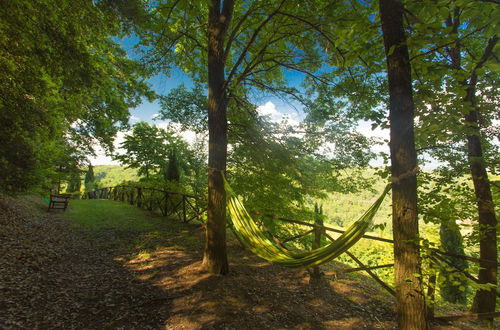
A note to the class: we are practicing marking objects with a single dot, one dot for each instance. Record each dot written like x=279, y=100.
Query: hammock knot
x=414, y=171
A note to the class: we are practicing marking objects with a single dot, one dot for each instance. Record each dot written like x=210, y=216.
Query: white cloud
x=188, y=135
x=102, y=159
x=155, y=116
x=162, y=124
x=134, y=118
x=365, y=128
x=269, y=109
x=287, y=119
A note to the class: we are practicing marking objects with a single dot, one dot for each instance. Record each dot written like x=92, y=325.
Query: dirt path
x=50, y=277
x=56, y=275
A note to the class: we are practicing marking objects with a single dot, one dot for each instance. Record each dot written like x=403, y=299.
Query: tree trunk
x=411, y=312
x=484, y=301
x=215, y=255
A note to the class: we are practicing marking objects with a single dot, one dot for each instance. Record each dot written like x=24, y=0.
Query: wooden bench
x=58, y=201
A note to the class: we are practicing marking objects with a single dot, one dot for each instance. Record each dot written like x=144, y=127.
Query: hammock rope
x=257, y=241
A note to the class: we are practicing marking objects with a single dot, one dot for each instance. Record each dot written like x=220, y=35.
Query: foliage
x=453, y=289
x=186, y=107
x=148, y=149
x=296, y=165
x=112, y=175
x=89, y=179
x=65, y=83
x=75, y=182
x=172, y=173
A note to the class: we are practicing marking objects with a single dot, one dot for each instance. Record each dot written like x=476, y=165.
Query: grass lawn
x=120, y=226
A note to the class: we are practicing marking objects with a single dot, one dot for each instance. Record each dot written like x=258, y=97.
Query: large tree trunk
x=215, y=255
x=411, y=312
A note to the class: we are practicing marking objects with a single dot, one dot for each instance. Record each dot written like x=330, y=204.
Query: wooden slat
x=298, y=236
x=299, y=222
x=357, y=269
x=464, y=257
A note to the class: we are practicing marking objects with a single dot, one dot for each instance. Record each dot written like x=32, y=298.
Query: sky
x=273, y=107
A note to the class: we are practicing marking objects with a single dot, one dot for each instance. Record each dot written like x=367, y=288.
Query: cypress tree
x=89, y=179
x=173, y=173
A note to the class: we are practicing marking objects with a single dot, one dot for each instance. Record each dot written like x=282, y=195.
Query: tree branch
x=249, y=43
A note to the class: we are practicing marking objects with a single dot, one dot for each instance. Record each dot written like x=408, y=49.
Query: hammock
x=256, y=240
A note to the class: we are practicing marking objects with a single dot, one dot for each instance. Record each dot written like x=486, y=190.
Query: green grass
x=101, y=214
x=125, y=228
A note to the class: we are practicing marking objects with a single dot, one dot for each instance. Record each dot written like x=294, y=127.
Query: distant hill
x=111, y=175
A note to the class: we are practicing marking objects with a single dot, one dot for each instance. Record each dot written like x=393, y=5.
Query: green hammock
x=257, y=241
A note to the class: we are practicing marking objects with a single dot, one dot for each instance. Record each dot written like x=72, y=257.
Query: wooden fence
x=184, y=207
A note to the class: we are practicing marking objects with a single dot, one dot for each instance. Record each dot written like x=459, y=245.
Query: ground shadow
x=139, y=279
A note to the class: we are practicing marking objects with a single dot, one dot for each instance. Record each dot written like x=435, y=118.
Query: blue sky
x=272, y=106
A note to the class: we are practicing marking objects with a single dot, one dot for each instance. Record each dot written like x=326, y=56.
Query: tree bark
x=215, y=255
x=484, y=300
x=411, y=312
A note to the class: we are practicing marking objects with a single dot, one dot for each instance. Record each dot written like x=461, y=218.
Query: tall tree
x=485, y=300
x=75, y=182
x=242, y=46
x=458, y=70
x=148, y=148
x=307, y=159
x=220, y=14
x=411, y=312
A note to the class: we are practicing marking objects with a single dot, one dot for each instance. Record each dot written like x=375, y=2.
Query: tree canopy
x=65, y=84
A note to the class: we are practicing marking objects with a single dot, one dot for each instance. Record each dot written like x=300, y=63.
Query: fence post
x=150, y=204
x=131, y=197
x=431, y=291
x=318, y=231
x=165, y=208
x=139, y=197
x=184, y=219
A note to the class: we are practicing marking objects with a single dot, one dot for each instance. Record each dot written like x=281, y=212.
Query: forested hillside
x=112, y=175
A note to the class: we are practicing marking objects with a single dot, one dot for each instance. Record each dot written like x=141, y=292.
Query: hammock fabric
x=256, y=240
